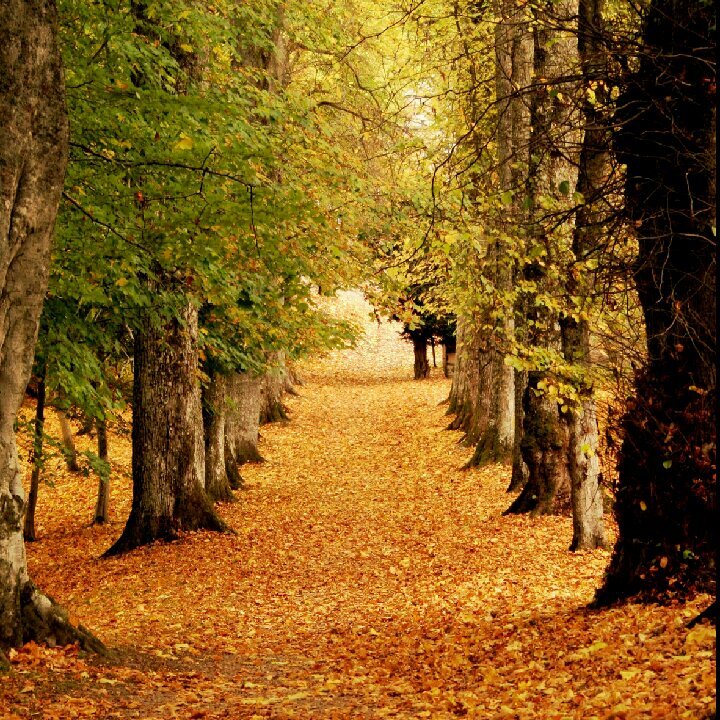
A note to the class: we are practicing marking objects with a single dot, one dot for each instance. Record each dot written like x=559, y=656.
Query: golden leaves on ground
x=370, y=578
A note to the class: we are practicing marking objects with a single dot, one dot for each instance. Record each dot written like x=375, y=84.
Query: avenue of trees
x=530, y=183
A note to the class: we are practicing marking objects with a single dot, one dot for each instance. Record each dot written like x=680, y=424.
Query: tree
x=168, y=440
x=666, y=501
x=552, y=171
x=581, y=417
x=33, y=155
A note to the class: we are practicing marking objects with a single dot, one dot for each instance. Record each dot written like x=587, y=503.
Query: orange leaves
x=370, y=578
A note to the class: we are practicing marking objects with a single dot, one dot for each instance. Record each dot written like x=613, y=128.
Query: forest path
x=370, y=577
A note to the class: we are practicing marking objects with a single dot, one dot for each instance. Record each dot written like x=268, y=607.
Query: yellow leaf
x=184, y=143
x=700, y=635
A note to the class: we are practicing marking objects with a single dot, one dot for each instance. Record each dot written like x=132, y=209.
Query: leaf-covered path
x=370, y=577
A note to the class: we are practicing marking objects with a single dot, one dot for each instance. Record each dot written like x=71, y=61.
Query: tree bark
x=553, y=149
x=102, y=505
x=519, y=474
x=464, y=392
x=666, y=500
x=214, y=410
x=36, y=460
x=68, y=442
x=545, y=450
x=586, y=493
x=244, y=400
x=272, y=408
x=168, y=456
x=421, y=367
x=33, y=155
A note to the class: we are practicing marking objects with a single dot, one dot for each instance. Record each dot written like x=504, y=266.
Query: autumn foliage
x=370, y=577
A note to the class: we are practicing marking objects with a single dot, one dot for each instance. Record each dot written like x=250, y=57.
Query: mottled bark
x=244, y=400
x=666, y=500
x=545, y=448
x=168, y=455
x=584, y=466
x=553, y=164
x=36, y=461
x=33, y=153
x=102, y=504
x=464, y=393
x=214, y=410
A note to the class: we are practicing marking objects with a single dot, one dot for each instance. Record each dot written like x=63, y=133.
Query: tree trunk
x=666, y=501
x=519, y=475
x=587, y=499
x=465, y=388
x=33, y=154
x=496, y=392
x=214, y=410
x=553, y=148
x=272, y=408
x=244, y=399
x=421, y=368
x=102, y=506
x=36, y=461
x=68, y=442
x=449, y=350
x=458, y=389
x=168, y=456
x=545, y=450
x=522, y=71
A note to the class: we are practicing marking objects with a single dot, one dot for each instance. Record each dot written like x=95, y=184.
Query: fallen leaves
x=370, y=578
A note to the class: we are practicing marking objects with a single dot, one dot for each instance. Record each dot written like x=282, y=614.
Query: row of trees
x=573, y=235
x=486, y=171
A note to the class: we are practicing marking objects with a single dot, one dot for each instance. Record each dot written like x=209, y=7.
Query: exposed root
x=47, y=623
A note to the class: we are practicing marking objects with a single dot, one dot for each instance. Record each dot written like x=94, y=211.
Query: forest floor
x=370, y=577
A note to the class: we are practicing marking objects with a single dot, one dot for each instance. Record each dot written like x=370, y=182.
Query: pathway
x=370, y=577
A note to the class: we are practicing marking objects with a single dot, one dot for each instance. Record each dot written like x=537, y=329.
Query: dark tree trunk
x=519, y=474
x=102, y=506
x=168, y=457
x=36, y=461
x=33, y=154
x=214, y=410
x=421, y=367
x=666, y=501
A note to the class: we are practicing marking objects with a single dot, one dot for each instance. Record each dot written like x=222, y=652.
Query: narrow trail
x=370, y=577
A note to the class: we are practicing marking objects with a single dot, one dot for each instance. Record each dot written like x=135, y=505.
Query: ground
x=370, y=577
